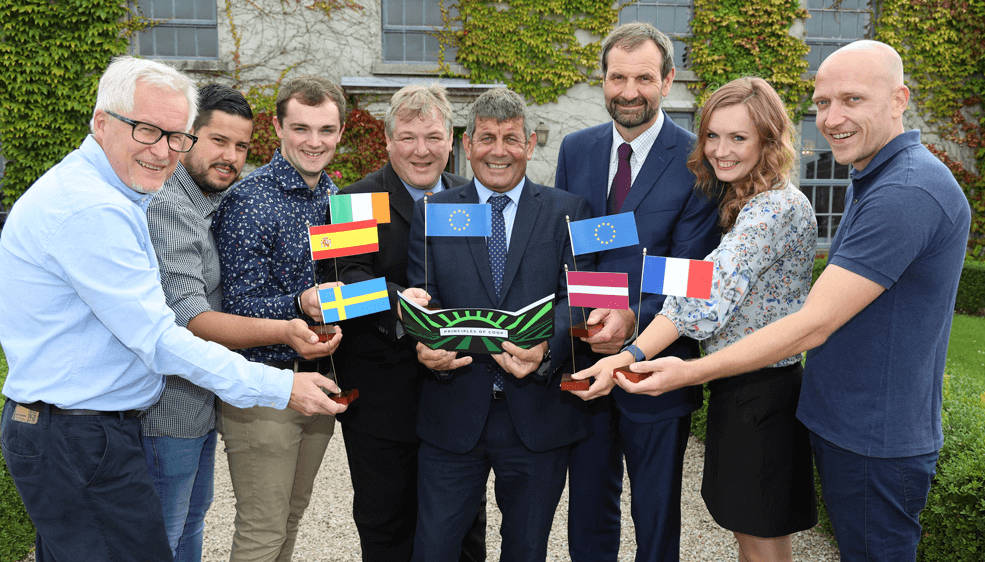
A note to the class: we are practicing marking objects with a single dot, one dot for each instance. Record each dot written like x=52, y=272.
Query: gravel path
x=327, y=532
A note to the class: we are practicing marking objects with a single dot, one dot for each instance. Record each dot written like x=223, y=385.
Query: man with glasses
x=87, y=332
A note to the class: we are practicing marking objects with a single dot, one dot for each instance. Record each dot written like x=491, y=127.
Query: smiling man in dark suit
x=635, y=164
x=379, y=358
x=505, y=411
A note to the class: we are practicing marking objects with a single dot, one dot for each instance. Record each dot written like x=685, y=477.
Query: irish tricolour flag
x=598, y=289
x=359, y=207
x=678, y=277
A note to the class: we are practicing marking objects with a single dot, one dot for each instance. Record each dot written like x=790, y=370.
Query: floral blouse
x=762, y=272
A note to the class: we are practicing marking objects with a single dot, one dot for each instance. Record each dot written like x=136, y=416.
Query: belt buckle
x=498, y=394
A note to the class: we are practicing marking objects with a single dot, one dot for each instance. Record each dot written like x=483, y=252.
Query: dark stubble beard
x=635, y=120
x=202, y=179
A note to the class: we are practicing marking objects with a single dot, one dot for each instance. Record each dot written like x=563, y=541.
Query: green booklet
x=479, y=330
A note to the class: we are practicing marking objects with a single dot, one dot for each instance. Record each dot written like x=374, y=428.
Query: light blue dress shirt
x=509, y=212
x=83, y=318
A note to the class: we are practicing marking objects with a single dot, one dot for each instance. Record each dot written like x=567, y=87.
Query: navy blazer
x=453, y=409
x=672, y=220
x=384, y=369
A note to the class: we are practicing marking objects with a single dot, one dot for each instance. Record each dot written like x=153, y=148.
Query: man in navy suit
x=647, y=153
x=379, y=358
x=504, y=411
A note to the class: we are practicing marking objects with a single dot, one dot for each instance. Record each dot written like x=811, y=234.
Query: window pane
x=184, y=9
x=146, y=41
x=648, y=14
x=164, y=41
x=431, y=47
x=208, y=43
x=393, y=12
x=162, y=9
x=415, y=47
x=186, y=42
x=432, y=13
x=393, y=47
x=414, y=12
x=683, y=19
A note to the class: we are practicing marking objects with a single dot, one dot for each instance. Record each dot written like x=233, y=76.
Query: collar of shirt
x=291, y=179
x=886, y=153
x=641, y=149
x=205, y=204
x=94, y=153
x=509, y=212
x=418, y=194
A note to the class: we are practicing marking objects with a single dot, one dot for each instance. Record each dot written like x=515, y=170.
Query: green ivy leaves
x=51, y=57
x=736, y=38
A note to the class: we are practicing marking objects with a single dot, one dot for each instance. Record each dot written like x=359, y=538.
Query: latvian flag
x=359, y=207
x=598, y=289
x=678, y=277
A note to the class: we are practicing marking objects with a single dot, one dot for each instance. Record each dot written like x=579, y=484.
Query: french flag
x=678, y=277
x=598, y=289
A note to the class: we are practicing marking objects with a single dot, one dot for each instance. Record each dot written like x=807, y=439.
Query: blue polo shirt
x=875, y=386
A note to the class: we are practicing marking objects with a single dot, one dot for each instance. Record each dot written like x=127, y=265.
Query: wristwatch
x=638, y=354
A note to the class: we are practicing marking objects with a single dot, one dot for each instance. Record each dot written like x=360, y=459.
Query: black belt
x=296, y=366
x=40, y=407
x=499, y=395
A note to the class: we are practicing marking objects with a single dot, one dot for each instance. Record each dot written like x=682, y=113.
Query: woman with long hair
x=758, y=478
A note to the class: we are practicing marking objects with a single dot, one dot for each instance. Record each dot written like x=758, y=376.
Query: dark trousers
x=594, y=488
x=451, y=485
x=655, y=465
x=384, y=503
x=874, y=503
x=84, y=482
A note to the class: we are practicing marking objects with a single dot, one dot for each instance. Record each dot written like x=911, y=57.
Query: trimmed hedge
x=954, y=519
x=16, y=528
x=971, y=289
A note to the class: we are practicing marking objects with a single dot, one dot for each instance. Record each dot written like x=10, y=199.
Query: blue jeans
x=182, y=471
x=874, y=503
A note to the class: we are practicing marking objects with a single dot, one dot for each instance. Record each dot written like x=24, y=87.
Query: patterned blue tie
x=497, y=242
x=497, y=258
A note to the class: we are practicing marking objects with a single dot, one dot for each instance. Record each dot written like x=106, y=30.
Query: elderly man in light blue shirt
x=87, y=332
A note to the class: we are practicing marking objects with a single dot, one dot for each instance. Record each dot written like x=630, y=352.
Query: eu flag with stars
x=445, y=219
x=603, y=233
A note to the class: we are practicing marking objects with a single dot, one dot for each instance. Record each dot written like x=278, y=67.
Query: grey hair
x=418, y=100
x=118, y=86
x=632, y=36
x=501, y=104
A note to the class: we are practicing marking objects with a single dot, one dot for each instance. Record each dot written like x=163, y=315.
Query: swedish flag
x=350, y=301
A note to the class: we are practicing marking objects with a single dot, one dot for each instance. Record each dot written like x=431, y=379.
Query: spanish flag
x=347, y=239
x=350, y=301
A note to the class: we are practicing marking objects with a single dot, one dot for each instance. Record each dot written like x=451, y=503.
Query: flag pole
x=570, y=335
x=425, y=243
x=639, y=305
x=574, y=261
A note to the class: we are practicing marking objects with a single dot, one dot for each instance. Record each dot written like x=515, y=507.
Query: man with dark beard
x=178, y=432
x=636, y=164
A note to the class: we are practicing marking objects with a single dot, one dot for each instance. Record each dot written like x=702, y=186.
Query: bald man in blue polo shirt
x=878, y=319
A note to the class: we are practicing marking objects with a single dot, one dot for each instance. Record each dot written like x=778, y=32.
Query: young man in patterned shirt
x=261, y=230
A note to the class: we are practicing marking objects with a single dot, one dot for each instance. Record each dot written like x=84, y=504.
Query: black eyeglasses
x=145, y=133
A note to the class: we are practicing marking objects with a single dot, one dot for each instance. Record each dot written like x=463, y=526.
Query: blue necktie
x=497, y=242
x=497, y=258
